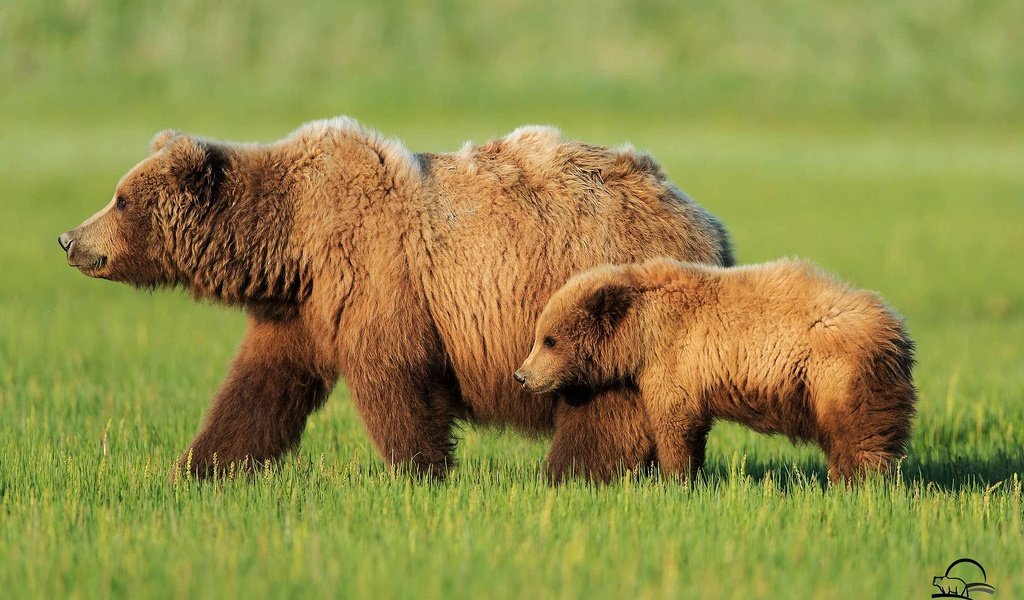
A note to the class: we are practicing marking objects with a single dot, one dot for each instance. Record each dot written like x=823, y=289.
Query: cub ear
x=608, y=304
x=194, y=165
x=160, y=140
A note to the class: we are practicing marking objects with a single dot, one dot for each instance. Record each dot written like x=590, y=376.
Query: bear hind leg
x=871, y=429
x=412, y=422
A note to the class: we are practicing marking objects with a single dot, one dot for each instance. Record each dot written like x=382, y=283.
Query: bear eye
x=549, y=342
x=121, y=202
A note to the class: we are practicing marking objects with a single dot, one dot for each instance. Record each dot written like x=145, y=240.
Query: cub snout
x=532, y=382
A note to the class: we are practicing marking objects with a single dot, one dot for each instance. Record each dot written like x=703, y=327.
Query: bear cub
x=781, y=347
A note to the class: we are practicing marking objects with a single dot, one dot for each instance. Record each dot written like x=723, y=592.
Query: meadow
x=884, y=144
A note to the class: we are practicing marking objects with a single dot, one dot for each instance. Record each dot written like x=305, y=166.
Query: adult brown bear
x=416, y=277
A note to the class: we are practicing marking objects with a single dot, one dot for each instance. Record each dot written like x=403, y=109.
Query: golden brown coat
x=416, y=277
x=780, y=347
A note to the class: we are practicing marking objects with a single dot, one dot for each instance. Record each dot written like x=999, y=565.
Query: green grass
x=881, y=142
x=100, y=387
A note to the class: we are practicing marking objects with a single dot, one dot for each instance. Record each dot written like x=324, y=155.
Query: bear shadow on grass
x=960, y=472
x=953, y=475
x=786, y=473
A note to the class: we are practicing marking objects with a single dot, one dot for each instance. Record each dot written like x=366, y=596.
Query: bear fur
x=780, y=347
x=416, y=277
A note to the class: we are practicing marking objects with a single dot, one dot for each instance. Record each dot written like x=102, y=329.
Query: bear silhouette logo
x=951, y=586
x=954, y=582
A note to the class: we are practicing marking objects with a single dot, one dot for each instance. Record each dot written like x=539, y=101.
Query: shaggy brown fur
x=415, y=277
x=780, y=347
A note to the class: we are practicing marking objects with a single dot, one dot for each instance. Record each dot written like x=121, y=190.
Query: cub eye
x=549, y=342
x=121, y=202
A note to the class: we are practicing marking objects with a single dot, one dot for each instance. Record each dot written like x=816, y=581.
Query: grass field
x=101, y=386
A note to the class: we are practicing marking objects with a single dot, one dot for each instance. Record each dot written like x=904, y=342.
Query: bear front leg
x=410, y=420
x=681, y=437
x=601, y=438
x=261, y=409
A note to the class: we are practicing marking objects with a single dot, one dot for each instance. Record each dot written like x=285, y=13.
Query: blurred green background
x=881, y=139
x=954, y=62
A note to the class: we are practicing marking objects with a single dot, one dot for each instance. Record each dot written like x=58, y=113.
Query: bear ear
x=608, y=304
x=160, y=140
x=194, y=165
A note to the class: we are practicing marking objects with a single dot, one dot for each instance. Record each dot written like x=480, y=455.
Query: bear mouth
x=95, y=265
x=543, y=389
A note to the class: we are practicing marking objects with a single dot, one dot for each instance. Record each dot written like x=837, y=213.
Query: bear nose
x=65, y=241
x=520, y=378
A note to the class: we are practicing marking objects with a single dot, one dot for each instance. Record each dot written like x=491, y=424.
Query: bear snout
x=65, y=240
x=531, y=383
x=78, y=255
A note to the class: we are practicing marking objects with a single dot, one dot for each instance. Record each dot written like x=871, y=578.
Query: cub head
x=154, y=209
x=584, y=337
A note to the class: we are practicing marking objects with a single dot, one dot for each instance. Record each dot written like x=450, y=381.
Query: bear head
x=140, y=236
x=585, y=337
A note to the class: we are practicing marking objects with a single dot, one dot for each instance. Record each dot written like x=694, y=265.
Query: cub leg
x=601, y=437
x=680, y=435
x=868, y=430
